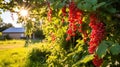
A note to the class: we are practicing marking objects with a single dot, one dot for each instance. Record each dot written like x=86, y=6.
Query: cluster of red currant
x=97, y=61
x=75, y=20
x=97, y=35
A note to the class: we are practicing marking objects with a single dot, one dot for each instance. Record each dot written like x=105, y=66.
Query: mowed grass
x=9, y=44
x=13, y=55
x=12, y=42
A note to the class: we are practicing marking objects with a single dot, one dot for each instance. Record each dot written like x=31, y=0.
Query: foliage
x=74, y=51
x=4, y=26
x=45, y=55
x=109, y=51
x=29, y=27
x=39, y=34
x=37, y=58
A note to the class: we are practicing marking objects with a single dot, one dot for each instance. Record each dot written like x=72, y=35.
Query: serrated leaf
x=115, y=49
x=102, y=48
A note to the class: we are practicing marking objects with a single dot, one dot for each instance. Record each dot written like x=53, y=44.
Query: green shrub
x=37, y=58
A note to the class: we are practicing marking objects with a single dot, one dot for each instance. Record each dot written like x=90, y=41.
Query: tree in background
x=4, y=26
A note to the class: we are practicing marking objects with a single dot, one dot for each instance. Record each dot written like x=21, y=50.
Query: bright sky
x=6, y=16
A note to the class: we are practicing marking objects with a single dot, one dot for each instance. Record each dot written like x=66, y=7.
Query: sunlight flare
x=24, y=12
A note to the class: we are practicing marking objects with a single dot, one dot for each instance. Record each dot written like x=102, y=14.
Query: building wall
x=15, y=35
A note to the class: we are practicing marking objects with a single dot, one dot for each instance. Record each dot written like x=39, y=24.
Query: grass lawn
x=13, y=53
x=9, y=44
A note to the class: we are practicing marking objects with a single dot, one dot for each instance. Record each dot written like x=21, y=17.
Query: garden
x=78, y=33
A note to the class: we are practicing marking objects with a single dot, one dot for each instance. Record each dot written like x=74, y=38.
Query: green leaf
x=98, y=5
x=80, y=6
x=105, y=63
x=109, y=43
x=111, y=10
x=87, y=58
x=115, y=49
x=87, y=6
x=80, y=49
x=102, y=48
x=60, y=5
x=93, y=2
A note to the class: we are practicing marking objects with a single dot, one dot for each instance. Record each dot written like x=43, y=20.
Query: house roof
x=14, y=30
